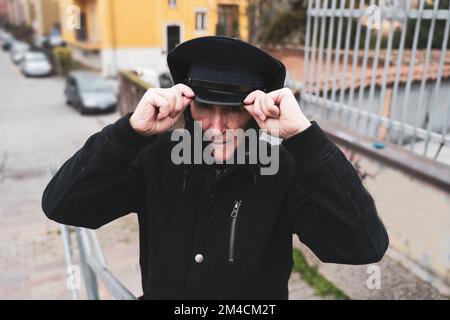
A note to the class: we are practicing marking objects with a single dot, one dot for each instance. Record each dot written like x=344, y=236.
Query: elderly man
x=220, y=230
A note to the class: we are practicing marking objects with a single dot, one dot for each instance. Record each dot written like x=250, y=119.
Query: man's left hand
x=277, y=112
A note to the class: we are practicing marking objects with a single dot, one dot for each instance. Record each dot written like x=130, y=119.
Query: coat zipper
x=234, y=215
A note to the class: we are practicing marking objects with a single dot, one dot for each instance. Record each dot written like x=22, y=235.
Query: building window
x=200, y=21
x=172, y=3
x=228, y=24
x=81, y=33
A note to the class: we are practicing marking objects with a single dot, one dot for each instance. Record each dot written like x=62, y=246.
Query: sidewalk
x=397, y=282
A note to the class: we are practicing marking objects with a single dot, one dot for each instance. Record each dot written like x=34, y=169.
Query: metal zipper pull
x=236, y=207
x=234, y=214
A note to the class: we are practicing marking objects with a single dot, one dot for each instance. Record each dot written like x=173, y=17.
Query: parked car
x=89, y=92
x=41, y=41
x=165, y=80
x=18, y=51
x=6, y=39
x=35, y=64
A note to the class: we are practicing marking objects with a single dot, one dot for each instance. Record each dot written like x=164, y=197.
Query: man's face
x=216, y=120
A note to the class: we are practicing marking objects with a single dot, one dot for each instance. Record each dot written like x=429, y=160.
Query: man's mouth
x=222, y=143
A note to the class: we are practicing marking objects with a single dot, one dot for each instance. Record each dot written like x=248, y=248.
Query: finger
x=166, y=111
x=257, y=109
x=186, y=102
x=186, y=92
x=250, y=109
x=262, y=104
x=176, y=101
x=280, y=94
x=250, y=99
x=253, y=109
x=171, y=96
x=273, y=109
x=179, y=103
x=161, y=104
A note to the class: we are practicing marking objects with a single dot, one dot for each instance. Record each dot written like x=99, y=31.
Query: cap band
x=211, y=85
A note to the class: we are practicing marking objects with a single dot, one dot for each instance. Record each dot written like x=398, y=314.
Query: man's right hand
x=159, y=109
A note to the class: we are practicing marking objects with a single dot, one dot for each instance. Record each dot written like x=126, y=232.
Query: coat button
x=199, y=258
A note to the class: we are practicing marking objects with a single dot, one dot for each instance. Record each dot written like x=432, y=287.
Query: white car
x=40, y=41
x=18, y=51
x=6, y=39
x=35, y=64
x=89, y=92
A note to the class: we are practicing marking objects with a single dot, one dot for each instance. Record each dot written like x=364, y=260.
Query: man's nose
x=218, y=120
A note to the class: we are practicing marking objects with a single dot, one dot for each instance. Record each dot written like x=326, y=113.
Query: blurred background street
x=374, y=74
x=46, y=131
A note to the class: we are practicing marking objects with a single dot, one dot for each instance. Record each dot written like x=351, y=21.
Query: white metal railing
x=92, y=262
x=366, y=78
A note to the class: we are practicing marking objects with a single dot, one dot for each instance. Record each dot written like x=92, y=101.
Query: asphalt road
x=37, y=130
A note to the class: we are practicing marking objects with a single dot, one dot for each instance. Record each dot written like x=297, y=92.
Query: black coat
x=224, y=237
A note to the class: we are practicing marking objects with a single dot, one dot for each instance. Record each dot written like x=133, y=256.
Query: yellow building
x=44, y=15
x=118, y=34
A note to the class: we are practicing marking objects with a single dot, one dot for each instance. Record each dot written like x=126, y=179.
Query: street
x=37, y=131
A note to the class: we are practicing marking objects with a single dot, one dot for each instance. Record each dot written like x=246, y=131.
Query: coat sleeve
x=330, y=209
x=101, y=182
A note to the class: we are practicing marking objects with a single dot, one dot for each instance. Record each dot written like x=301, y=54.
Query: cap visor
x=219, y=98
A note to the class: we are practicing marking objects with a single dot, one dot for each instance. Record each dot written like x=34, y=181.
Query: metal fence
x=381, y=68
x=92, y=264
